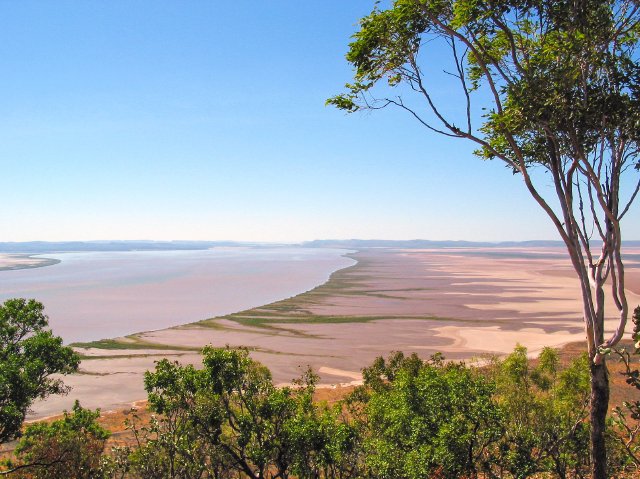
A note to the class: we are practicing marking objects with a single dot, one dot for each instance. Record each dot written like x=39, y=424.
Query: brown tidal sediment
x=462, y=302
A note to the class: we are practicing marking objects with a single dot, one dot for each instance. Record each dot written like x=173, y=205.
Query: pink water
x=97, y=295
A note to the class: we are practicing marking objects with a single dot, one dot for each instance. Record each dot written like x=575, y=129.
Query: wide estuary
x=95, y=295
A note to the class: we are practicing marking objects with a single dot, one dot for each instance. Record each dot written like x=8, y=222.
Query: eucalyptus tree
x=543, y=85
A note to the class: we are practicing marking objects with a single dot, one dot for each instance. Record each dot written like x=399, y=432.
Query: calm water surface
x=97, y=295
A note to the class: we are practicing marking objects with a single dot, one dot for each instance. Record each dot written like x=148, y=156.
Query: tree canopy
x=29, y=355
x=228, y=419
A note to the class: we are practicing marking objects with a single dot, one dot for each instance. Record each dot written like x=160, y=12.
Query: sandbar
x=11, y=261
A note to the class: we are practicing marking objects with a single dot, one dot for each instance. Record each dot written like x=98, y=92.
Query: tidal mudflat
x=465, y=303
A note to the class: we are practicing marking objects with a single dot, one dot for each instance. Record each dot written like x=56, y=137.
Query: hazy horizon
x=52, y=247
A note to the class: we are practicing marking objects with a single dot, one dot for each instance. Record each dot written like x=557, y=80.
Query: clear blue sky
x=206, y=120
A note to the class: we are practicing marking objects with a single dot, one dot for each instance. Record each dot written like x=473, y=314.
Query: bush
x=69, y=448
x=431, y=419
x=229, y=419
x=545, y=412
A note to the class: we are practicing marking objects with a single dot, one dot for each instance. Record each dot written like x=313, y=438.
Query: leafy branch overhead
x=554, y=85
x=545, y=70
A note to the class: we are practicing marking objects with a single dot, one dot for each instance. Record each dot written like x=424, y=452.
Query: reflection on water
x=99, y=295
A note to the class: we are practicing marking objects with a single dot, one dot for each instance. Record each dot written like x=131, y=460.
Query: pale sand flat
x=341, y=373
x=492, y=340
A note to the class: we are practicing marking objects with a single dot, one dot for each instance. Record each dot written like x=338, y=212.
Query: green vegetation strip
x=350, y=281
x=131, y=342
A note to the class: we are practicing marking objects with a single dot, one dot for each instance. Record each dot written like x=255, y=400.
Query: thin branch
x=400, y=104
x=631, y=200
x=461, y=75
x=582, y=232
x=35, y=464
x=512, y=44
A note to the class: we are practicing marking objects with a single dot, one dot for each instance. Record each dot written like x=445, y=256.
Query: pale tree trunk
x=592, y=280
x=599, y=380
x=598, y=415
x=599, y=376
x=593, y=299
x=594, y=304
x=599, y=399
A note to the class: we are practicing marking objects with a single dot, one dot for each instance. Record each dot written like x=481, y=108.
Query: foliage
x=168, y=447
x=511, y=418
x=552, y=70
x=229, y=419
x=626, y=418
x=68, y=448
x=545, y=411
x=431, y=419
x=29, y=356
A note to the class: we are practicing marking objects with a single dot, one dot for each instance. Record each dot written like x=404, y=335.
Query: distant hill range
x=416, y=244
x=38, y=247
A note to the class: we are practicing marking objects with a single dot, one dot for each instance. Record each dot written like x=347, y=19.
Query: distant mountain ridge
x=418, y=243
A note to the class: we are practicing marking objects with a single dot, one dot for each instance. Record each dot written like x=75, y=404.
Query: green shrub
x=425, y=419
x=69, y=448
